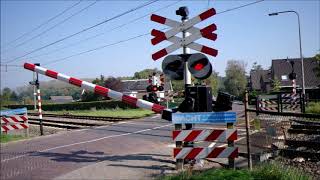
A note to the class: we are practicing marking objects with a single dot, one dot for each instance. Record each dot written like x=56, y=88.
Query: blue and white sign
x=10, y=112
x=204, y=118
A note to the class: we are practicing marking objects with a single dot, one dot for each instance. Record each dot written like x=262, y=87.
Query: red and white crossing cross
x=188, y=41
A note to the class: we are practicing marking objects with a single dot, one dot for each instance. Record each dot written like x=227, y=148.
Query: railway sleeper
x=293, y=153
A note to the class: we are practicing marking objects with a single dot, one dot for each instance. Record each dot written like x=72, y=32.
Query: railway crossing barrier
x=282, y=102
x=16, y=119
x=96, y=88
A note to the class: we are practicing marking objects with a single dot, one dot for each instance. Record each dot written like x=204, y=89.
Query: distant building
x=138, y=87
x=261, y=80
x=61, y=99
x=281, y=68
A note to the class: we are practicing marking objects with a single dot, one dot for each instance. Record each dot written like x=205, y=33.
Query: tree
x=6, y=94
x=91, y=96
x=113, y=83
x=144, y=74
x=256, y=66
x=213, y=82
x=236, y=81
x=14, y=96
x=317, y=68
x=276, y=85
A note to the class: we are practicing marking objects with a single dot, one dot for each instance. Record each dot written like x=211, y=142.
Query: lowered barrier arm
x=101, y=90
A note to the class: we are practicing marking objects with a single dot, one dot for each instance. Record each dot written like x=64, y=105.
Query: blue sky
x=247, y=34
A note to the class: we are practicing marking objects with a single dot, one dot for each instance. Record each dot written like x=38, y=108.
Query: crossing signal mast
x=198, y=98
x=155, y=88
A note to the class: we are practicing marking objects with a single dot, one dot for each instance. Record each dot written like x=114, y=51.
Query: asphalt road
x=138, y=149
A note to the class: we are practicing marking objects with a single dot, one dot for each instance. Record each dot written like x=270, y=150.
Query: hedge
x=76, y=106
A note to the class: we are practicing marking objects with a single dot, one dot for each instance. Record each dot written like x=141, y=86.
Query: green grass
x=7, y=138
x=130, y=113
x=313, y=107
x=266, y=171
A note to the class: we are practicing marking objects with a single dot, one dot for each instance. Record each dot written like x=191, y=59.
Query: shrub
x=313, y=107
x=77, y=106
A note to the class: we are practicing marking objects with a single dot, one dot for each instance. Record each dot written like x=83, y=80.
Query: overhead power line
x=239, y=7
x=84, y=30
x=97, y=48
x=54, y=26
x=44, y=23
x=135, y=37
x=105, y=32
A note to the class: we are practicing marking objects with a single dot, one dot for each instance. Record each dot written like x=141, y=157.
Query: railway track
x=72, y=121
x=303, y=140
x=69, y=116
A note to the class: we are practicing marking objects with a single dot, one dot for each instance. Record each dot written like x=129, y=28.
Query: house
x=61, y=99
x=138, y=87
x=281, y=68
x=262, y=80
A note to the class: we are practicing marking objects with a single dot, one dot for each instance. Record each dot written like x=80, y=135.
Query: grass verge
x=313, y=107
x=8, y=137
x=129, y=113
x=266, y=171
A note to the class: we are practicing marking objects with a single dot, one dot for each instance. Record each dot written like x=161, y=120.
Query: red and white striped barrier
x=290, y=95
x=264, y=105
x=14, y=127
x=208, y=152
x=293, y=106
x=269, y=108
x=96, y=88
x=16, y=122
x=13, y=119
x=205, y=135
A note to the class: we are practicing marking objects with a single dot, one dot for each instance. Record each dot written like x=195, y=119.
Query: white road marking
x=89, y=141
x=156, y=116
x=141, y=123
x=171, y=145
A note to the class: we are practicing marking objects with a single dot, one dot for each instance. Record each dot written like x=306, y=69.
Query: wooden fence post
x=231, y=144
x=246, y=105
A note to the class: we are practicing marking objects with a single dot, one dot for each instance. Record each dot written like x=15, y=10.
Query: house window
x=284, y=78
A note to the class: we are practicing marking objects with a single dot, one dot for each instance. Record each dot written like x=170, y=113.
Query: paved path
x=138, y=149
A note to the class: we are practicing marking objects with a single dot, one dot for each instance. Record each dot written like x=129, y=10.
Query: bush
x=313, y=107
x=77, y=106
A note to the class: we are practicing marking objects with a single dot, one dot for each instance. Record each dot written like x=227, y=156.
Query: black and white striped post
x=39, y=101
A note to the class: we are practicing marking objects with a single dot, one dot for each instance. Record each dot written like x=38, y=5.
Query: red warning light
x=198, y=66
x=154, y=88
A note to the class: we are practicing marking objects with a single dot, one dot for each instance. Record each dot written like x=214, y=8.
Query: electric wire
x=84, y=30
x=44, y=23
x=54, y=26
x=105, y=32
x=135, y=37
x=239, y=7
x=132, y=38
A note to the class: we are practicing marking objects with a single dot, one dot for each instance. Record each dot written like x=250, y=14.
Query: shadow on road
x=97, y=156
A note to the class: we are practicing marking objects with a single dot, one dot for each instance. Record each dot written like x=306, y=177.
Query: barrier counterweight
x=96, y=88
